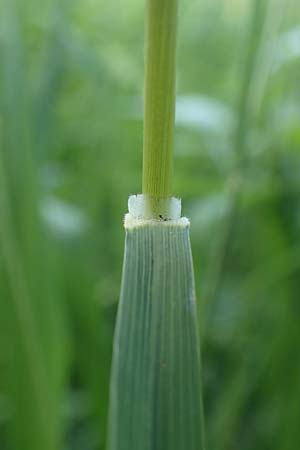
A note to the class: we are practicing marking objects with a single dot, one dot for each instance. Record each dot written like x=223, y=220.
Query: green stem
x=159, y=111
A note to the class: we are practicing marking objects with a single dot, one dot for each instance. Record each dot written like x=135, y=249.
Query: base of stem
x=145, y=207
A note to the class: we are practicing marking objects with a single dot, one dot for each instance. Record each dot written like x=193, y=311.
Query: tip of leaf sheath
x=131, y=222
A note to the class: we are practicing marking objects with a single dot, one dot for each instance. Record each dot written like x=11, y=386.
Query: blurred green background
x=71, y=80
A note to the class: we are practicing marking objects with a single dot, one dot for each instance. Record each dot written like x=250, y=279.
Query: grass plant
x=70, y=129
x=156, y=398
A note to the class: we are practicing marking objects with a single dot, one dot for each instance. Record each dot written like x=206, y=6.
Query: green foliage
x=71, y=76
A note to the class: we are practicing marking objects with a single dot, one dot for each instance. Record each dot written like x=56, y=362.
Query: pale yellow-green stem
x=159, y=109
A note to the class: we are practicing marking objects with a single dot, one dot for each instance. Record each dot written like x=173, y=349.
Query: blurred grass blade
x=156, y=383
x=31, y=319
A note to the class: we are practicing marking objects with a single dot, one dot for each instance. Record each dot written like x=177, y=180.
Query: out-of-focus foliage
x=71, y=75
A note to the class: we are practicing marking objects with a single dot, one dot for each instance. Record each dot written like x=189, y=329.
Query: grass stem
x=159, y=110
